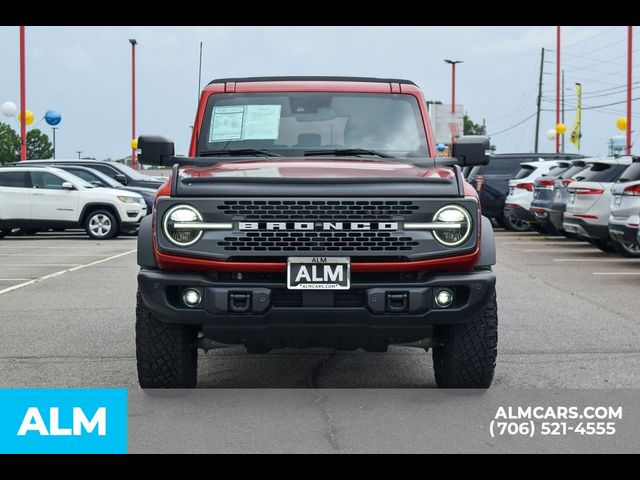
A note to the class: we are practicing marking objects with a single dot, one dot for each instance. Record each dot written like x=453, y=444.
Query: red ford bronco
x=315, y=212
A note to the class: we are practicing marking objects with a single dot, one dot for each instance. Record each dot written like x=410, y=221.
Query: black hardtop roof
x=311, y=79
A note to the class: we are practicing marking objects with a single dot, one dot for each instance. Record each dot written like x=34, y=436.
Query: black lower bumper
x=267, y=315
x=580, y=227
x=519, y=213
x=623, y=233
x=129, y=228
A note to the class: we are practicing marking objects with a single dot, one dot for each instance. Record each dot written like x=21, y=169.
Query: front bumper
x=583, y=228
x=270, y=316
x=621, y=232
x=518, y=212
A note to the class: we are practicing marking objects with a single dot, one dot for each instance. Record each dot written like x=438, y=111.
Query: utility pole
x=535, y=145
x=453, y=64
x=562, y=109
x=54, y=141
x=133, y=42
x=79, y=152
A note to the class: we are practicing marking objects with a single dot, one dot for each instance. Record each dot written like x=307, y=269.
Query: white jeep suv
x=46, y=197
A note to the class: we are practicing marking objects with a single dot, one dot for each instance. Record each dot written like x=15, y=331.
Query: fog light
x=191, y=297
x=444, y=298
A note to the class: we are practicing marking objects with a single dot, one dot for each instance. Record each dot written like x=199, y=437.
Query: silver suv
x=590, y=198
x=625, y=211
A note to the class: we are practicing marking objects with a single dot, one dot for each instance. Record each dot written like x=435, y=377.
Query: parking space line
x=615, y=260
x=41, y=255
x=565, y=250
x=616, y=273
x=40, y=265
x=14, y=279
x=62, y=272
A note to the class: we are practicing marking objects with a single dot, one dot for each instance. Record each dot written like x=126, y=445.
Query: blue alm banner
x=63, y=420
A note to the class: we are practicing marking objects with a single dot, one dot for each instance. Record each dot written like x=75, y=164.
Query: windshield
x=293, y=123
x=133, y=174
x=77, y=181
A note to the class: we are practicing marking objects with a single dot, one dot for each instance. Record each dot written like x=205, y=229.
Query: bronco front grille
x=318, y=209
x=313, y=241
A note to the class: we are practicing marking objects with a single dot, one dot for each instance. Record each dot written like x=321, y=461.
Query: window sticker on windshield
x=248, y=122
x=226, y=123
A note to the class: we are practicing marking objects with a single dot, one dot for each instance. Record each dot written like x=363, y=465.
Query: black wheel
x=516, y=225
x=467, y=358
x=628, y=249
x=497, y=222
x=604, y=245
x=166, y=353
x=539, y=228
x=101, y=225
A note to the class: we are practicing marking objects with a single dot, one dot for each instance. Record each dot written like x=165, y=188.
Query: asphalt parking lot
x=568, y=319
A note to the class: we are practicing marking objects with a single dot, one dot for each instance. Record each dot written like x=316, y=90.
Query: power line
x=590, y=38
x=513, y=126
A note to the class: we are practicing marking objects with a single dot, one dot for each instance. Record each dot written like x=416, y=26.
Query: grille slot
x=318, y=209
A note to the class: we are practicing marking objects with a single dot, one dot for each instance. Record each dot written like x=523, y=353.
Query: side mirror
x=472, y=150
x=68, y=186
x=155, y=150
x=119, y=177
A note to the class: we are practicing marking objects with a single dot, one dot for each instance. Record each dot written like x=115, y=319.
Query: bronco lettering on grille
x=325, y=226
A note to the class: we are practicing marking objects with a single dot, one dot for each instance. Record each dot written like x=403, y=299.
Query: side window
x=13, y=179
x=88, y=177
x=46, y=181
x=110, y=172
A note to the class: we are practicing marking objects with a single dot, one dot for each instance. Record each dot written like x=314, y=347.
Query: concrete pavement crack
x=321, y=402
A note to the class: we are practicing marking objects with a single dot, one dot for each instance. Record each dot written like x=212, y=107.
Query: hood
x=301, y=168
x=316, y=176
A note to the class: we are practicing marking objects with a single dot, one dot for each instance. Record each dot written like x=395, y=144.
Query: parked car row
x=104, y=198
x=593, y=199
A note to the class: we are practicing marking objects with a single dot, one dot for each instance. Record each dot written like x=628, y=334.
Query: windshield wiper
x=239, y=152
x=346, y=152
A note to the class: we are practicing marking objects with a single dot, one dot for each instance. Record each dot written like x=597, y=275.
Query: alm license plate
x=618, y=200
x=572, y=198
x=318, y=273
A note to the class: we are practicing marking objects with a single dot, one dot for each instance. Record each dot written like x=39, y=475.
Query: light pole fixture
x=54, y=141
x=453, y=64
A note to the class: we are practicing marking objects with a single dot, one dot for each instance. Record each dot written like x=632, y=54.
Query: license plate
x=536, y=194
x=572, y=198
x=318, y=273
x=618, y=200
x=511, y=190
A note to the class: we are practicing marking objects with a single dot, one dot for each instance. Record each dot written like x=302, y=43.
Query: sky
x=85, y=74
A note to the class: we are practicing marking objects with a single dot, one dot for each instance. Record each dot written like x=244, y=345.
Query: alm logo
x=63, y=420
x=33, y=422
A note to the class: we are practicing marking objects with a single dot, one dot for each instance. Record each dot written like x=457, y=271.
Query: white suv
x=45, y=197
x=590, y=199
x=625, y=211
x=517, y=209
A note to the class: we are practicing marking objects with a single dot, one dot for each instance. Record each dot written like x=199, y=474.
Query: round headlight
x=461, y=226
x=176, y=225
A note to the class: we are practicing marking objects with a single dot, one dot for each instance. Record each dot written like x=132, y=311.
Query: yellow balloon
x=621, y=123
x=561, y=129
x=29, y=116
x=134, y=143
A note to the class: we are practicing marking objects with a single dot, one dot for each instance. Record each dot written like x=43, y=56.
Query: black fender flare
x=146, y=256
x=488, y=245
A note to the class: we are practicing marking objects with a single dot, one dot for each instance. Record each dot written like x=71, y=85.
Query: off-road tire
x=467, y=358
x=605, y=245
x=101, y=214
x=166, y=353
x=630, y=250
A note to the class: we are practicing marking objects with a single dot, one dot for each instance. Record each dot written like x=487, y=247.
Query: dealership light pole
x=629, y=78
x=134, y=163
x=557, y=86
x=453, y=64
x=54, y=141
x=23, y=99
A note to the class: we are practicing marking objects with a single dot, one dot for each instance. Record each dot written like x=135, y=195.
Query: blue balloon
x=52, y=117
x=441, y=147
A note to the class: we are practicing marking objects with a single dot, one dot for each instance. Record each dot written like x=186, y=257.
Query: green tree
x=471, y=128
x=9, y=144
x=38, y=145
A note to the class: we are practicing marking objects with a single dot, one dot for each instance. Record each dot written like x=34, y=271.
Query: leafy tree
x=38, y=145
x=9, y=144
x=471, y=128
